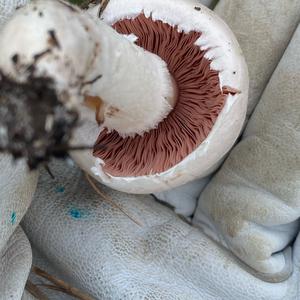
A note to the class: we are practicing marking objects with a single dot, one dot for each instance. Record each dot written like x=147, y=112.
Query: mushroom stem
x=130, y=89
x=136, y=89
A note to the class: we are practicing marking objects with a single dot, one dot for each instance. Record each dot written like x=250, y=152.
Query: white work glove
x=8, y=7
x=16, y=191
x=97, y=248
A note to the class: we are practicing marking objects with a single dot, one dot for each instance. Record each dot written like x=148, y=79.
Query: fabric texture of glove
x=7, y=8
x=264, y=29
x=95, y=247
x=263, y=42
x=98, y=249
x=252, y=205
x=15, y=263
x=16, y=191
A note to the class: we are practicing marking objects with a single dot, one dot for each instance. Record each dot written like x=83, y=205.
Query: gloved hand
x=166, y=258
x=100, y=250
x=16, y=191
x=97, y=248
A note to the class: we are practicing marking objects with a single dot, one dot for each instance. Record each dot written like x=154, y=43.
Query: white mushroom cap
x=226, y=57
x=126, y=85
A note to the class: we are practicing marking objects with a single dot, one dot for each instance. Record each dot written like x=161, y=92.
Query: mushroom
x=162, y=94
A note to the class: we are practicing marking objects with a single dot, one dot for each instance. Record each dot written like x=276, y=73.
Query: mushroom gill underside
x=200, y=101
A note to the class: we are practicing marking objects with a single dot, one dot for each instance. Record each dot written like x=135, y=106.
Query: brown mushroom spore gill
x=199, y=103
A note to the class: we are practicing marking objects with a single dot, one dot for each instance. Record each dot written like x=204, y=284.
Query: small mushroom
x=160, y=87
